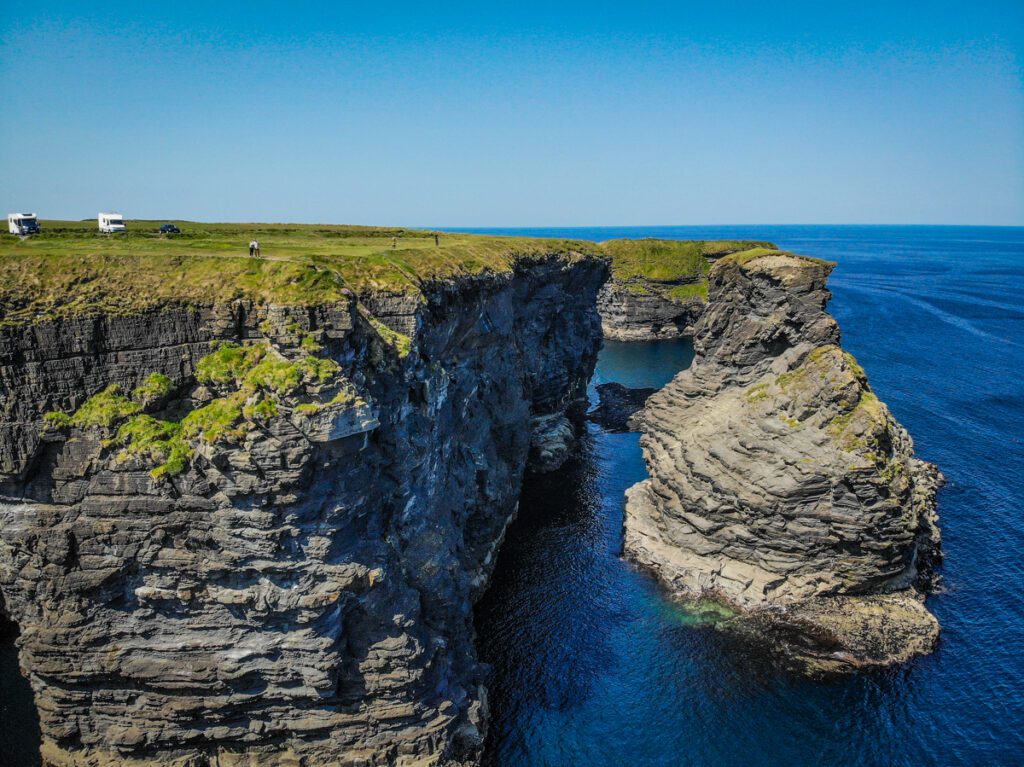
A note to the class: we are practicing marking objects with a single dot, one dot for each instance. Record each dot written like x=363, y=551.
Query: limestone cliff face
x=300, y=590
x=780, y=484
x=645, y=312
x=658, y=288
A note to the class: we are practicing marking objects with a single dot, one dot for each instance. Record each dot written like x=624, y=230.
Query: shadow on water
x=19, y=722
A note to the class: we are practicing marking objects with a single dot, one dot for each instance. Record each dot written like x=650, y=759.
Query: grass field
x=674, y=269
x=670, y=261
x=72, y=270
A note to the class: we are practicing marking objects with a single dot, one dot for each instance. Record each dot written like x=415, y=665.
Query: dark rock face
x=301, y=594
x=617, y=405
x=644, y=312
x=56, y=365
x=399, y=311
x=781, y=485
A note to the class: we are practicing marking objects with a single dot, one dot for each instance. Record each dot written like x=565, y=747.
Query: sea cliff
x=781, y=485
x=248, y=531
x=247, y=505
x=659, y=288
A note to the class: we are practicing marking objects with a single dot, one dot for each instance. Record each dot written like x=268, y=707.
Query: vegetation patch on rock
x=683, y=292
x=100, y=410
x=253, y=380
x=670, y=261
x=155, y=386
x=743, y=257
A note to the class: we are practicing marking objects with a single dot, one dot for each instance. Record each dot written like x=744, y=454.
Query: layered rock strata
x=781, y=485
x=658, y=288
x=267, y=558
x=641, y=311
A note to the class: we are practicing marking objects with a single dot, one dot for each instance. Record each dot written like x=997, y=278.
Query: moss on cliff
x=229, y=363
x=101, y=410
x=859, y=428
x=155, y=386
x=400, y=342
x=683, y=292
x=157, y=441
x=252, y=378
x=258, y=367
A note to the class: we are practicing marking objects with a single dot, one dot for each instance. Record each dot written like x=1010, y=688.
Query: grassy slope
x=70, y=269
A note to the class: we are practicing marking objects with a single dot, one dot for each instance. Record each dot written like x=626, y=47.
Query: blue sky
x=516, y=114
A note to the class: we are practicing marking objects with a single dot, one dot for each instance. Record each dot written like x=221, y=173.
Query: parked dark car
x=169, y=229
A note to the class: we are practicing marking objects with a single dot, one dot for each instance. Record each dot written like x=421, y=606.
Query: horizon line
x=459, y=227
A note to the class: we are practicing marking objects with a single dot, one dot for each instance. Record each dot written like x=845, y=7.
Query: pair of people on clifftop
x=254, y=248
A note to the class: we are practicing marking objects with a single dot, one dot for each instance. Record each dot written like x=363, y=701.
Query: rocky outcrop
x=781, y=485
x=298, y=588
x=617, y=404
x=641, y=311
x=659, y=288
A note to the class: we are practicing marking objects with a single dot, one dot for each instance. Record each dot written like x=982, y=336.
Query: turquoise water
x=591, y=666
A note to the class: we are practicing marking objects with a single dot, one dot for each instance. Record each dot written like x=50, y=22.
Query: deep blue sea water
x=592, y=666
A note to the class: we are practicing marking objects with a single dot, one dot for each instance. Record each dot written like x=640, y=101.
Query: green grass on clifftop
x=670, y=261
x=673, y=269
x=72, y=270
x=746, y=256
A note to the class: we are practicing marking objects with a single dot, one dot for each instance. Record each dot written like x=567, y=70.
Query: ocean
x=591, y=665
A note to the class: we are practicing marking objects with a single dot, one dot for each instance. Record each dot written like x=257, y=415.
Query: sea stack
x=781, y=485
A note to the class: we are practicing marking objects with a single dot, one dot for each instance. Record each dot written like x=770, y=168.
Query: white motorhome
x=110, y=222
x=22, y=223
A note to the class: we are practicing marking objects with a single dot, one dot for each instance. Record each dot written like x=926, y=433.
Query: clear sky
x=516, y=114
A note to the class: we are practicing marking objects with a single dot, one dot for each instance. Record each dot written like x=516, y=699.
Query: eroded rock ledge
x=298, y=589
x=781, y=485
x=659, y=288
x=617, y=404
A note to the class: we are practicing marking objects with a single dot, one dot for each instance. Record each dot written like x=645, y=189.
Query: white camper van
x=22, y=223
x=110, y=222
